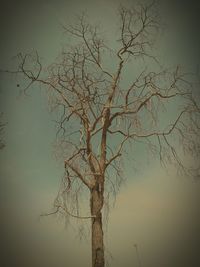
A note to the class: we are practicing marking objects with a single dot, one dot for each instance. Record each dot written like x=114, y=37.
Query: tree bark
x=96, y=204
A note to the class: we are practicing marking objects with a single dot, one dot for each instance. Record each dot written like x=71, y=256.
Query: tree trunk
x=96, y=204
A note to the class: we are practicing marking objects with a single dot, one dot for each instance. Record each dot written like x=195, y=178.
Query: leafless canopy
x=101, y=112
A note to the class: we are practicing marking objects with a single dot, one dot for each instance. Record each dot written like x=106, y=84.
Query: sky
x=154, y=209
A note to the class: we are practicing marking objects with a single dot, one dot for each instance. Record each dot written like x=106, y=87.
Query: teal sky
x=156, y=210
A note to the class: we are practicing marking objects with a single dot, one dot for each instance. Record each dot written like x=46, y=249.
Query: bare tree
x=102, y=113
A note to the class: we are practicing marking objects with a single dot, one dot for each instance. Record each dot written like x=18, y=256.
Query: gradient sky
x=156, y=210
